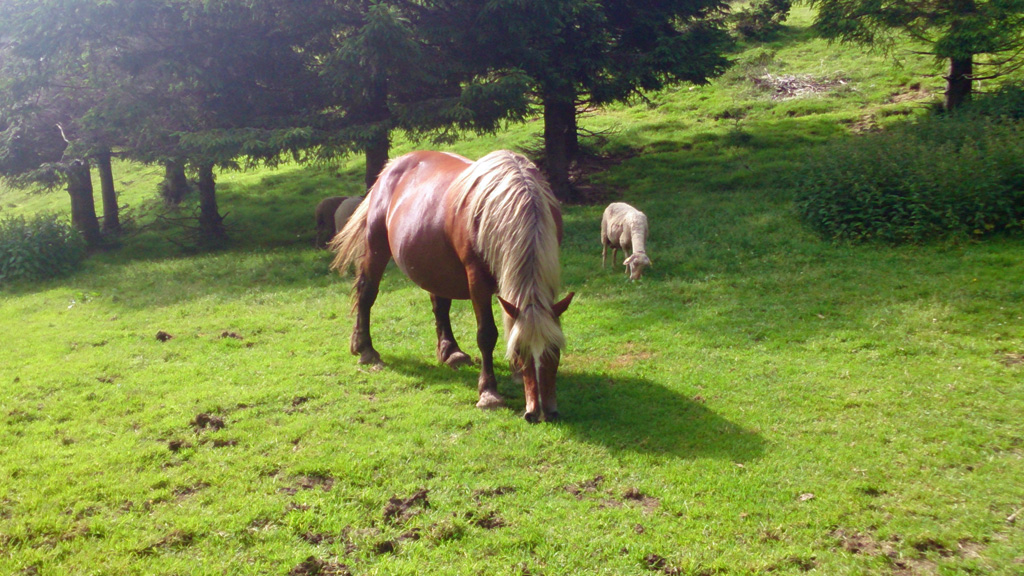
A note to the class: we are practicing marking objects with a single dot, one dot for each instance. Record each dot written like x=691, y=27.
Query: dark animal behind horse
x=467, y=230
x=324, y=215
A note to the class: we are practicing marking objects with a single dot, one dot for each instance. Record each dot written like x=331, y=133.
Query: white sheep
x=624, y=227
x=345, y=210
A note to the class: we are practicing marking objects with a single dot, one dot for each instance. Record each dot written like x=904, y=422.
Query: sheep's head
x=636, y=263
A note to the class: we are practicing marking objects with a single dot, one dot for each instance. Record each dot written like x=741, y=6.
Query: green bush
x=942, y=176
x=1007, y=102
x=43, y=247
x=762, y=19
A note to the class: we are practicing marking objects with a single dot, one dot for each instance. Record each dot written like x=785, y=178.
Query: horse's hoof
x=552, y=416
x=457, y=359
x=370, y=357
x=531, y=417
x=489, y=401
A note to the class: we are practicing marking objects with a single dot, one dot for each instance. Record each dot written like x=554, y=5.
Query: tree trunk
x=376, y=157
x=958, y=83
x=572, y=135
x=111, y=214
x=174, y=188
x=83, y=205
x=379, y=144
x=561, y=144
x=211, y=224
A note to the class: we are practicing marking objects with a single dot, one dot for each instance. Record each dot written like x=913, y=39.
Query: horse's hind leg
x=448, y=350
x=367, y=287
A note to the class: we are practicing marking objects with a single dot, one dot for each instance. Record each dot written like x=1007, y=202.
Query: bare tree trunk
x=958, y=83
x=83, y=204
x=174, y=188
x=211, y=224
x=111, y=213
x=379, y=146
x=376, y=157
x=561, y=144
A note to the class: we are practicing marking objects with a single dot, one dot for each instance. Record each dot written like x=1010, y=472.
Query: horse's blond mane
x=517, y=237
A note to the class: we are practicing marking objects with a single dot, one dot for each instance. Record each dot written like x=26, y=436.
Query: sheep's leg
x=448, y=351
x=604, y=254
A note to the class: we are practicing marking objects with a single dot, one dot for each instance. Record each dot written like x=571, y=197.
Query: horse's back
x=409, y=202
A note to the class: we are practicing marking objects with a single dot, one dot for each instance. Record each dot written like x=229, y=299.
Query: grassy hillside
x=760, y=402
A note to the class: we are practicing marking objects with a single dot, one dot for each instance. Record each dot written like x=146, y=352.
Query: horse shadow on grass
x=634, y=414
x=623, y=414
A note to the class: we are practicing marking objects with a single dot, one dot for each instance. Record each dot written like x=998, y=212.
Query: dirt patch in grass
x=789, y=86
x=314, y=566
x=914, y=93
x=317, y=538
x=310, y=482
x=860, y=543
x=654, y=562
x=633, y=495
x=658, y=563
x=399, y=510
x=1012, y=359
x=176, y=540
x=296, y=404
x=391, y=546
x=491, y=492
x=206, y=421
x=186, y=491
x=488, y=521
x=321, y=481
x=176, y=445
x=869, y=545
x=579, y=490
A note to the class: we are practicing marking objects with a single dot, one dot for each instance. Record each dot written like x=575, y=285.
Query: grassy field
x=760, y=402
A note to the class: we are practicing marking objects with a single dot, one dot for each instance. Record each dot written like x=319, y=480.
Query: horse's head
x=636, y=263
x=539, y=355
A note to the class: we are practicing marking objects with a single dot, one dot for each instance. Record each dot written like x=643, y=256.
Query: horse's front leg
x=486, y=338
x=531, y=388
x=448, y=351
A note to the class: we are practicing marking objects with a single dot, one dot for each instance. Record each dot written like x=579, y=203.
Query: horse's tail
x=517, y=236
x=349, y=244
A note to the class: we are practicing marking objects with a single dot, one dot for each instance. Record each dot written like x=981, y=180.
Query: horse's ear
x=561, y=306
x=509, y=308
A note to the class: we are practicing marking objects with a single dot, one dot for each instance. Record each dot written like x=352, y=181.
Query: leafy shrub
x=762, y=18
x=43, y=247
x=938, y=177
x=1007, y=102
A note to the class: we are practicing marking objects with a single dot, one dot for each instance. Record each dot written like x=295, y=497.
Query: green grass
x=752, y=367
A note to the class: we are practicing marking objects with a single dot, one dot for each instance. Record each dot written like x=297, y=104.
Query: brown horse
x=467, y=230
x=325, y=223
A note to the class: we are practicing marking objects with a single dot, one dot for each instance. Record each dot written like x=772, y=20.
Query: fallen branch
x=1013, y=517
